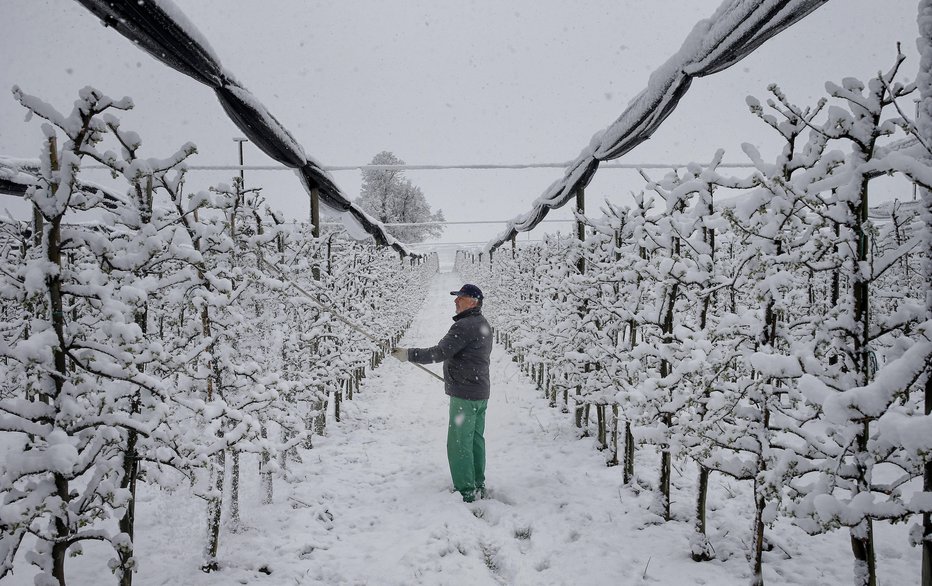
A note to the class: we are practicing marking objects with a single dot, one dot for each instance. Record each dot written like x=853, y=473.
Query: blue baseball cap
x=468, y=290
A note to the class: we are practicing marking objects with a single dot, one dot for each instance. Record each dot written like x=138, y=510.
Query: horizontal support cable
x=442, y=244
x=477, y=167
x=459, y=222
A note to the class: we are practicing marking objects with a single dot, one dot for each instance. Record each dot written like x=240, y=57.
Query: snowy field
x=372, y=504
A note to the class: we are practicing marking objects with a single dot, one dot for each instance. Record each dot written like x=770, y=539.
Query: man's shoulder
x=473, y=317
x=469, y=321
x=478, y=323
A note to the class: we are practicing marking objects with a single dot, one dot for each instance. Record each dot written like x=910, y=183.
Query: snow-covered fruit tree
x=151, y=334
x=81, y=404
x=862, y=366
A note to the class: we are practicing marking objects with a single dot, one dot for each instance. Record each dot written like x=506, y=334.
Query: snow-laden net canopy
x=163, y=31
x=735, y=29
x=730, y=34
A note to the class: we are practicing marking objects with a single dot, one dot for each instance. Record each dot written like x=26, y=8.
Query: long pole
x=331, y=311
x=241, y=140
x=924, y=124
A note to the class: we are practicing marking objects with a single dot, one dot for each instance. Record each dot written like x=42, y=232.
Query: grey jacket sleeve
x=453, y=342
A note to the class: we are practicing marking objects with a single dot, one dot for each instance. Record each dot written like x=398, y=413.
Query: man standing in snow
x=464, y=352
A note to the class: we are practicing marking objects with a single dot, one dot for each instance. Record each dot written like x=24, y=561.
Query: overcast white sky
x=439, y=82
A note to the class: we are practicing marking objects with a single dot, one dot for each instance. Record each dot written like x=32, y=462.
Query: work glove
x=401, y=354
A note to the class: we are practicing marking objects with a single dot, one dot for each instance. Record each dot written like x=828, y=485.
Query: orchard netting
x=734, y=31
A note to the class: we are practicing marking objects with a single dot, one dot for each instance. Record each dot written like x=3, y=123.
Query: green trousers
x=466, y=446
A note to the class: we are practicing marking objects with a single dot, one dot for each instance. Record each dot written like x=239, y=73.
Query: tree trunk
x=235, y=520
x=130, y=457
x=760, y=503
x=666, y=471
x=320, y=420
x=128, y=521
x=52, y=242
x=613, y=461
x=757, y=550
x=862, y=544
x=214, y=508
x=666, y=464
x=701, y=549
x=862, y=534
x=337, y=399
x=600, y=418
x=265, y=472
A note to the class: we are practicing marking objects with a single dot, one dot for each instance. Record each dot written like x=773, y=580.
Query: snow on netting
x=163, y=31
x=733, y=32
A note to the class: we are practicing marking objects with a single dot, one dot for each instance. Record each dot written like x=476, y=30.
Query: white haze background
x=440, y=83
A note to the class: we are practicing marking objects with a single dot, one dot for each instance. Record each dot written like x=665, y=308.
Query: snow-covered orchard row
x=151, y=334
x=778, y=336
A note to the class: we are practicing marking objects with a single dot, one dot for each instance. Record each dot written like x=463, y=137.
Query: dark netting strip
x=249, y=119
x=17, y=176
x=164, y=32
x=9, y=187
x=159, y=35
x=732, y=33
x=311, y=172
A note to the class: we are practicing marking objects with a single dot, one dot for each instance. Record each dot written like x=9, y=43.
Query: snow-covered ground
x=372, y=504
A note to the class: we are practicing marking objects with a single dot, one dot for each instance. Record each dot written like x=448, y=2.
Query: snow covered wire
x=730, y=34
x=163, y=31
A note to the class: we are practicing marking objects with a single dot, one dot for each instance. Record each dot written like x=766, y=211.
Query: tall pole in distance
x=241, y=140
x=242, y=186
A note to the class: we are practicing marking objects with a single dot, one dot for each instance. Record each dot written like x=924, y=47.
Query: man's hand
x=400, y=353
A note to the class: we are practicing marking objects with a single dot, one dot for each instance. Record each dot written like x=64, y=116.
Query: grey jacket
x=465, y=354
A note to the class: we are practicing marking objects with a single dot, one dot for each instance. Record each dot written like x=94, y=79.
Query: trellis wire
x=334, y=313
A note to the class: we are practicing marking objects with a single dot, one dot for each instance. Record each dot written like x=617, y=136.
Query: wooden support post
x=602, y=428
x=581, y=227
x=315, y=225
x=337, y=399
x=613, y=461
